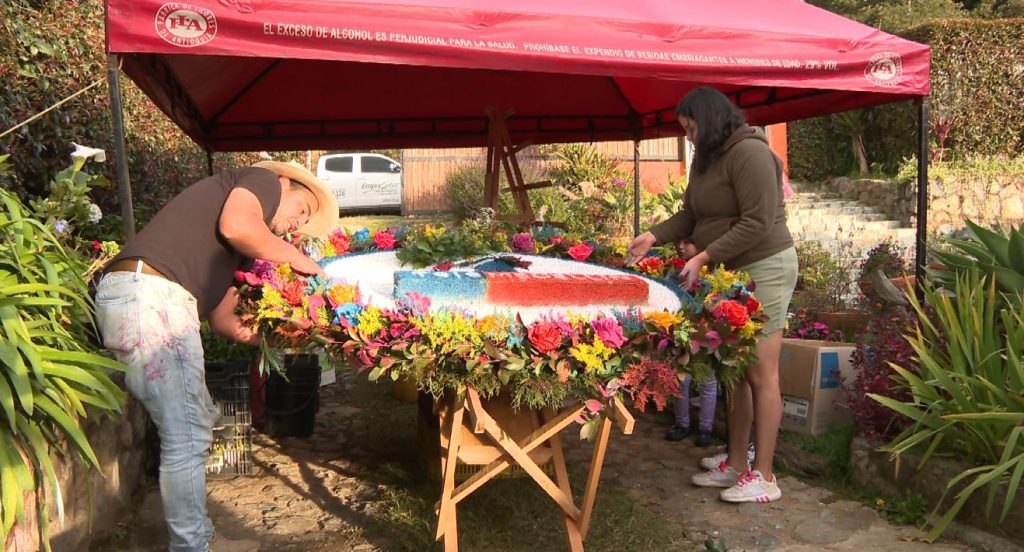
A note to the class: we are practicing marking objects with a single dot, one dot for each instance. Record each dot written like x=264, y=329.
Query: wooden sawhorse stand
x=462, y=421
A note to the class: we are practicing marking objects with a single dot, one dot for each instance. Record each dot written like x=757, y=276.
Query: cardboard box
x=811, y=377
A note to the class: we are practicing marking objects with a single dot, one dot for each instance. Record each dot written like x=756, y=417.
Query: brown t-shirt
x=735, y=210
x=184, y=243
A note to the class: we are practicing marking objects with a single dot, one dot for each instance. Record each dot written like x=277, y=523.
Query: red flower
x=753, y=305
x=293, y=292
x=545, y=336
x=445, y=266
x=340, y=242
x=555, y=240
x=384, y=240
x=677, y=263
x=652, y=266
x=97, y=245
x=580, y=251
x=735, y=312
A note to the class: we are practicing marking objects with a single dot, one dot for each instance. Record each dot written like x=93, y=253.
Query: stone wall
x=986, y=199
x=872, y=468
x=119, y=444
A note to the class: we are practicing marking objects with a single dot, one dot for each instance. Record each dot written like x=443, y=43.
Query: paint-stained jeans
x=152, y=325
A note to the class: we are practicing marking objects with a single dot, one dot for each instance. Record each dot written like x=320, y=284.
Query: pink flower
x=248, y=278
x=97, y=245
x=445, y=266
x=555, y=240
x=384, y=240
x=609, y=331
x=580, y=251
x=710, y=341
x=619, y=183
x=315, y=301
x=415, y=303
x=522, y=243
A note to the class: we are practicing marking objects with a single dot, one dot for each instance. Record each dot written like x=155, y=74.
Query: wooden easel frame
x=501, y=156
x=468, y=411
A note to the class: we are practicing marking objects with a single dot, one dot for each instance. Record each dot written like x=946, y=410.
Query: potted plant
x=823, y=290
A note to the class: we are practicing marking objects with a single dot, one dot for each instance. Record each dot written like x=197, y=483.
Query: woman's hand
x=639, y=247
x=689, y=274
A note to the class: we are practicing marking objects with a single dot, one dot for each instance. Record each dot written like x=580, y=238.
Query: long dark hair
x=717, y=118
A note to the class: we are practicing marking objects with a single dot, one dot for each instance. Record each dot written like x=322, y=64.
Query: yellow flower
x=433, y=232
x=750, y=329
x=593, y=356
x=272, y=305
x=370, y=321
x=446, y=330
x=662, y=319
x=327, y=250
x=285, y=272
x=340, y=294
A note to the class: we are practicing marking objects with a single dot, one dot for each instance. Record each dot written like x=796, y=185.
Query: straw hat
x=325, y=219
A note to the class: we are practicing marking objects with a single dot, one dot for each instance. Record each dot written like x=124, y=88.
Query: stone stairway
x=846, y=228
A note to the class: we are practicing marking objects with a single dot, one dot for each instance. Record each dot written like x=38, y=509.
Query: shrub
x=50, y=377
x=822, y=282
x=879, y=346
x=964, y=392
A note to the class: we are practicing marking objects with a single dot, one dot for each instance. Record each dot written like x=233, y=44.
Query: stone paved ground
x=325, y=493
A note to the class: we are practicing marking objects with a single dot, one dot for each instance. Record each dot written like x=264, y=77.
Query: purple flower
x=618, y=182
x=522, y=243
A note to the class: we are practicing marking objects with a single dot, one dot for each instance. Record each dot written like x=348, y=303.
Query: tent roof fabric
x=248, y=75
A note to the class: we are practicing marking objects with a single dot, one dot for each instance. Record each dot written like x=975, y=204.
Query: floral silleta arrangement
x=555, y=357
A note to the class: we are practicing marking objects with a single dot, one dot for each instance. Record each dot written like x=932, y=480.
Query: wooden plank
x=622, y=416
x=475, y=407
x=446, y=524
x=532, y=469
x=572, y=526
x=545, y=432
x=532, y=186
x=594, y=477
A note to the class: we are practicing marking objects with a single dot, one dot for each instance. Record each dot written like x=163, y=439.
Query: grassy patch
x=506, y=514
x=379, y=222
x=834, y=449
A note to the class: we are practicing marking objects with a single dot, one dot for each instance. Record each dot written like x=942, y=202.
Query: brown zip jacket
x=735, y=210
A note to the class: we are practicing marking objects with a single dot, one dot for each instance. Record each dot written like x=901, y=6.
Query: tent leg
x=209, y=162
x=923, y=154
x=124, y=185
x=636, y=188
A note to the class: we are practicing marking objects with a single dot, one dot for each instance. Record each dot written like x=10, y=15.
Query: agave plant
x=50, y=381
x=996, y=253
x=968, y=390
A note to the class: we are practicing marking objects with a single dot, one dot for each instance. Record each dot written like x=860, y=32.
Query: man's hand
x=305, y=265
x=225, y=322
x=639, y=247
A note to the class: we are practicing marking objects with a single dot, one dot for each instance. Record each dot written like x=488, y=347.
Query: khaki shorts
x=775, y=278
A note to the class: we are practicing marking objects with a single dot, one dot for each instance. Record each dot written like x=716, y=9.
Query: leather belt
x=131, y=265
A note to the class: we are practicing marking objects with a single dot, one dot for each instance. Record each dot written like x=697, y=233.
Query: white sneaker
x=753, y=487
x=711, y=462
x=722, y=476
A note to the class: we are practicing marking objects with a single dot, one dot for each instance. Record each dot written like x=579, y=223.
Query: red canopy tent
x=249, y=75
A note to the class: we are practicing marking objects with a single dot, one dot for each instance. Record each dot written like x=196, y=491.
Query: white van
x=362, y=181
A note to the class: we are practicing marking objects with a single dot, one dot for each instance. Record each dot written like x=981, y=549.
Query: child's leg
x=682, y=404
x=708, y=399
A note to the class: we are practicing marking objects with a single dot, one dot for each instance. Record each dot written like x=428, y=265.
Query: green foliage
x=465, y=189
x=907, y=510
x=68, y=207
x=968, y=390
x=977, y=84
x=49, y=51
x=655, y=208
x=1000, y=254
x=977, y=106
x=50, y=380
x=822, y=281
x=576, y=163
x=430, y=245
x=895, y=15
x=833, y=447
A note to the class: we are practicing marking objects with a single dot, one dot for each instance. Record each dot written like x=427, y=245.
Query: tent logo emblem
x=185, y=25
x=884, y=69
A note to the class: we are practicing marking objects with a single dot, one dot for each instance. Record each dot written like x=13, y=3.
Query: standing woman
x=733, y=211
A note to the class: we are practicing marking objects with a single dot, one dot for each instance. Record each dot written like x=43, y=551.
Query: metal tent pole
x=209, y=162
x=636, y=187
x=124, y=185
x=922, y=195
